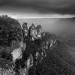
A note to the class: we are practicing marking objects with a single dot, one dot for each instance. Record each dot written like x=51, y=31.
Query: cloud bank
x=41, y=6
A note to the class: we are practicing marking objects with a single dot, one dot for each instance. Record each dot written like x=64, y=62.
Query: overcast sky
x=38, y=8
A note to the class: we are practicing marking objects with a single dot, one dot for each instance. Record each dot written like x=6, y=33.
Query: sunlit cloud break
x=34, y=15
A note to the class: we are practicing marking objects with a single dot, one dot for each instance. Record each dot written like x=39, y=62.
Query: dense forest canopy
x=10, y=30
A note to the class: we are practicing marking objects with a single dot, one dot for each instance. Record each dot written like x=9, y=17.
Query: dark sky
x=45, y=7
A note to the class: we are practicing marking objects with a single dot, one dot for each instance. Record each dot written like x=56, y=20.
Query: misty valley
x=30, y=47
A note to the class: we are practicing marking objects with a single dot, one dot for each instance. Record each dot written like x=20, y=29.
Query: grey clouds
x=41, y=6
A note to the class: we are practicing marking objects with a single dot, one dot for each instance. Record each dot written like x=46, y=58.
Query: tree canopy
x=10, y=29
